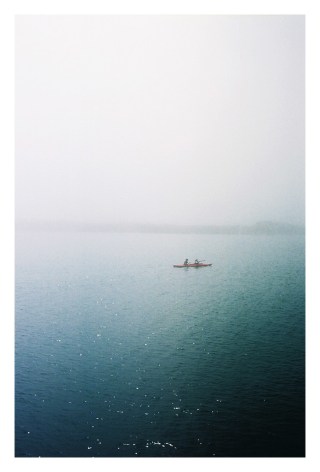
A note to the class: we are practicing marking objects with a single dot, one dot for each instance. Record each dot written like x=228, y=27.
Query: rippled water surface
x=120, y=354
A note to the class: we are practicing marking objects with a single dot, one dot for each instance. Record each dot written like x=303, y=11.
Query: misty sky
x=160, y=119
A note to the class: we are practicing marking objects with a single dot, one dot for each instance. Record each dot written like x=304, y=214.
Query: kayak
x=200, y=264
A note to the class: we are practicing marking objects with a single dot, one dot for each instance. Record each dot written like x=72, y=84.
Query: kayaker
x=186, y=262
x=196, y=261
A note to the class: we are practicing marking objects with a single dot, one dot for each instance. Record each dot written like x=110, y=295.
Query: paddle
x=198, y=262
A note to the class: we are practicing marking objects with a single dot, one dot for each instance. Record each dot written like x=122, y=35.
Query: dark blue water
x=119, y=354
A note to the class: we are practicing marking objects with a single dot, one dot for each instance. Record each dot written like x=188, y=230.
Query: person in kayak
x=196, y=261
x=186, y=262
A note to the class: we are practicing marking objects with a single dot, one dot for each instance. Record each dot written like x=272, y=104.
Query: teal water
x=118, y=354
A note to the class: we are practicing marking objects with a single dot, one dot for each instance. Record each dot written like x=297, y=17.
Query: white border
x=273, y=7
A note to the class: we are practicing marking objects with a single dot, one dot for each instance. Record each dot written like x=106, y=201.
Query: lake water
x=118, y=354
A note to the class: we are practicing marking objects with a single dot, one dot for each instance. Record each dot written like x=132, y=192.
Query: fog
x=195, y=120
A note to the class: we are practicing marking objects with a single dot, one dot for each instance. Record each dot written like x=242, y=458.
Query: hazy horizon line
x=265, y=226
